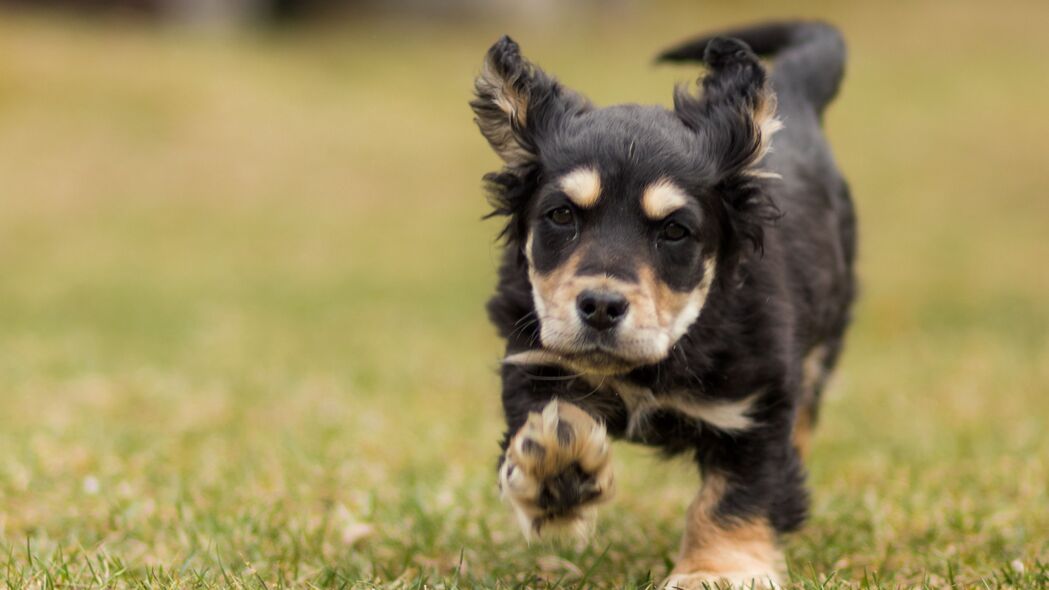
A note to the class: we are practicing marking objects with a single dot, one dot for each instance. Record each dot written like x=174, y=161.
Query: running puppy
x=671, y=279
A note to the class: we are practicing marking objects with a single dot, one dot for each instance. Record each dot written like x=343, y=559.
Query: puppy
x=679, y=278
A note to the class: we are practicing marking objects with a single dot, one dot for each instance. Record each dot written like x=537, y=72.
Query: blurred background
x=242, y=278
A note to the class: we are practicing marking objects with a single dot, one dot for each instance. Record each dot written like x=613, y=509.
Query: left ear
x=735, y=118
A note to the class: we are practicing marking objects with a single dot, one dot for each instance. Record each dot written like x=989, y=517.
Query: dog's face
x=622, y=214
x=620, y=252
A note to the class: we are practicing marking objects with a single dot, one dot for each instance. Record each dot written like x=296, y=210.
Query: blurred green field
x=242, y=338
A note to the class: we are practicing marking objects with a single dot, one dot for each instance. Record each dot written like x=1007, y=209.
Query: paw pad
x=557, y=468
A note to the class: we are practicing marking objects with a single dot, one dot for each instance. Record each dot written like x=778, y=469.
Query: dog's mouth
x=599, y=360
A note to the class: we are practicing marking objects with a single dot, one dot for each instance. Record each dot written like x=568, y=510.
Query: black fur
x=784, y=247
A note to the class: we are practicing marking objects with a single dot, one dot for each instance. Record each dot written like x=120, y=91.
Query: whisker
x=551, y=377
x=526, y=316
x=595, y=389
x=521, y=329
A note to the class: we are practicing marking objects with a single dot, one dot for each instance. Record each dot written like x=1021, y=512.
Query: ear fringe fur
x=766, y=124
x=501, y=103
x=515, y=105
x=756, y=110
x=735, y=115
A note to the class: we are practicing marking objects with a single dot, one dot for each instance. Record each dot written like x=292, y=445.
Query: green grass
x=242, y=341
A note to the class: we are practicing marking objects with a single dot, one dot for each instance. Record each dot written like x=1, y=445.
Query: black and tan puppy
x=679, y=278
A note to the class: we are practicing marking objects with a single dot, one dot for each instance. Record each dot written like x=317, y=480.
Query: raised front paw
x=557, y=468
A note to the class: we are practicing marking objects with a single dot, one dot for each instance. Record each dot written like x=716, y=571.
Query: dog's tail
x=808, y=56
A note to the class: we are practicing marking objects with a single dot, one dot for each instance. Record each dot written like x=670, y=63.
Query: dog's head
x=624, y=216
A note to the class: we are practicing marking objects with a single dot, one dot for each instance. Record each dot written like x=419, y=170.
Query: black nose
x=601, y=310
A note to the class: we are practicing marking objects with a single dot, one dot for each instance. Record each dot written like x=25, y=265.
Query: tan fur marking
x=803, y=432
x=641, y=402
x=812, y=373
x=528, y=247
x=766, y=124
x=662, y=198
x=583, y=186
x=742, y=552
x=658, y=315
x=812, y=370
x=506, y=97
x=677, y=310
x=500, y=131
x=554, y=298
x=533, y=357
x=727, y=416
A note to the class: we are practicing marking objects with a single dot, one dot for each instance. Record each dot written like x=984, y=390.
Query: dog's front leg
x=556, y=467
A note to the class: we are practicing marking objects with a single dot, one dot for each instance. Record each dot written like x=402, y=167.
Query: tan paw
x=557, y=468
x=723, y=581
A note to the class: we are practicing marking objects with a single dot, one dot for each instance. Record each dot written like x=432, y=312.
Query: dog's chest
x=643, y=405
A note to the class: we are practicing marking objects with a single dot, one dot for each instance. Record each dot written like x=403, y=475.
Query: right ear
x=517, y=104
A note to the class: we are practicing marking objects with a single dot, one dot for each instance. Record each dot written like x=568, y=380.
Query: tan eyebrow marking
x=662, y=198
x=583, y=186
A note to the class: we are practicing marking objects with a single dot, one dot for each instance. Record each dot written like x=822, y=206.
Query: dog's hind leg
x=813, y=376
x=816, y=371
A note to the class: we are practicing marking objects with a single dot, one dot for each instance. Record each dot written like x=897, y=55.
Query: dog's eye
x=674, y=232
x=561, y=216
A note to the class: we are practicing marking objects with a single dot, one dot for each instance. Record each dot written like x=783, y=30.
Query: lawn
x=242, y=337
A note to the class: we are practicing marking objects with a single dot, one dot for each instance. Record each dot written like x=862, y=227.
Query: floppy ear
x=517, y=104
x=735, y=118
